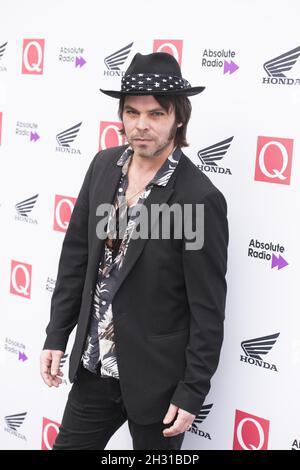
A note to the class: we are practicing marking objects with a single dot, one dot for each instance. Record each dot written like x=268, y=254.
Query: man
x=149, y=307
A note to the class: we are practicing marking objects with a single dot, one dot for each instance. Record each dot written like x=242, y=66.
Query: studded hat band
x=153, y=82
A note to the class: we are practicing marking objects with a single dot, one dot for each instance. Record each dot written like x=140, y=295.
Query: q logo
x=110, y=136
x=33, y=56
x=274, y=160
x=20, y=280
x=63, y=208
x=250, y=432
x=49, y=433
x=170, y=46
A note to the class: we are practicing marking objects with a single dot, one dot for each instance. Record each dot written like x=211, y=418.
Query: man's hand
x=49, y=367
x=181, y=424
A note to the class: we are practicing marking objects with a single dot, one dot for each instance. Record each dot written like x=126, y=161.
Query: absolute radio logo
x=13, y=423
x=255, y=349
x=115, y=62
x=274, y=160
x=209, y=156
x=277, y=68
x=170, y=46
x=267, y=251
x=33, y=56
x=63, y=208
x=250, y=432
x=24, y=208
x=50, y=430
x=71, y=56
x=27, y=129
x=199, y=420
x=20, y=279
x=295, y=444
x=2, y=51
x=50, y=284
x=110, y=135
x=220, y=58
x=16, y=348
x=66, y=138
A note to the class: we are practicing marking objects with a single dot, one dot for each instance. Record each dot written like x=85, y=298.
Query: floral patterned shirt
x=100, y=351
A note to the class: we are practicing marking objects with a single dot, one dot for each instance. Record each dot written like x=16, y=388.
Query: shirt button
x=91, y=292
x=103, y=302
x=107, y=275
x=120, y=190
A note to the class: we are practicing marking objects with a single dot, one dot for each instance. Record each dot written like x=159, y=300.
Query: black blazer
x=168, y=305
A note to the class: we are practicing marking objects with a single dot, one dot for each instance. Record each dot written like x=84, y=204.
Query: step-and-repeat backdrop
x=244, y=134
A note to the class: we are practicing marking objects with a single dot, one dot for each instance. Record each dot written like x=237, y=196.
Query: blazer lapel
x=105, y=192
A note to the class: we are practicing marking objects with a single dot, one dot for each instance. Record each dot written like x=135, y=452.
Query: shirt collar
x=162, y=175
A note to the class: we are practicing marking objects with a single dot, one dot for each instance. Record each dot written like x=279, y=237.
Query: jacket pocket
x=183, y=331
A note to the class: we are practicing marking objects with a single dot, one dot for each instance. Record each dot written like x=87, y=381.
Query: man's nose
x=142, y=122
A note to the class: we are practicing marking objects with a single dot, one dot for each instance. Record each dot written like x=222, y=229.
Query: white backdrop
x=54, y=56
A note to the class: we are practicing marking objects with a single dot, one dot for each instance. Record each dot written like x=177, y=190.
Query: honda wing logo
x=202, y=415
x=61, y=365
x=215, y=152
x=209, y=157
x=68, y=136
x=277, y=68
x=199, y=419
x=25, y=207
x=255, y=349
x=14, y=421
x=117, y=59
x=63, y=360
x=258, y=347
x=2, y=49
x=281, y=64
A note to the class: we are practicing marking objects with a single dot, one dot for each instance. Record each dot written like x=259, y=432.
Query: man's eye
x=157, y=113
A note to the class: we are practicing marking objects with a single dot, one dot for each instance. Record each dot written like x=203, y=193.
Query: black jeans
x=95, y=411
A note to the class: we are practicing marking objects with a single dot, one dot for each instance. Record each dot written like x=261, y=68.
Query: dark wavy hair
x=182, y=107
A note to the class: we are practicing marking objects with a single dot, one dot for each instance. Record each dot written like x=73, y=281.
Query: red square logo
x=170, y=46
x=0, y=127
x=33, y=56
x=63, y=208
x=110, y=136
x=274, y=160
x=49, y=433
x=20, y=279
x=250, y=432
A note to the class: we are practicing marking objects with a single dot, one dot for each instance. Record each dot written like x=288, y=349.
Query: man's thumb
x=55, y=363
x=170, y=414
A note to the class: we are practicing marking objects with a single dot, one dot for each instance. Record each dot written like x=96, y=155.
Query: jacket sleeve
x=204, y=272
x=66, y=298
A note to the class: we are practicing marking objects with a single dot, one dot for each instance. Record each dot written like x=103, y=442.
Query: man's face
x=149, y=128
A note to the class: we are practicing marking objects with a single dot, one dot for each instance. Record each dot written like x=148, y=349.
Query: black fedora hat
x=154, y=74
